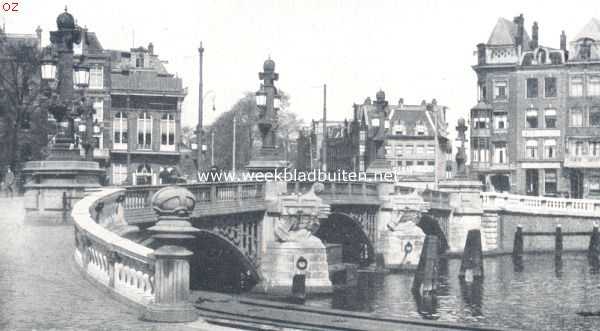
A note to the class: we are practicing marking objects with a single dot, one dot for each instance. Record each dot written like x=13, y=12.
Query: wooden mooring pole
x=425, y=281
x=558, y=243
x=594, y=248
x=471, y=267
x=518, y=249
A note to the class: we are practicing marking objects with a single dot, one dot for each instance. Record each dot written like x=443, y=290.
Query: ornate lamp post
x=60, y=74
x=268, y=102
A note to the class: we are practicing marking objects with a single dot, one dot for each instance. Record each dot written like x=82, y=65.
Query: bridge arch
x=342, y=228
x=219, y=265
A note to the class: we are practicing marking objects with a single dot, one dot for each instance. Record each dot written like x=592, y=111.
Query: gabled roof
x=590, y=30
x=504, y=34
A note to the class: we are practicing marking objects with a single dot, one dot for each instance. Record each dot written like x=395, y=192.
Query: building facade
x=409, y=136
x=536, y=127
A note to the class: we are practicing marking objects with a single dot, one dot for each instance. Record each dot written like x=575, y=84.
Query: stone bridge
x=252, y=234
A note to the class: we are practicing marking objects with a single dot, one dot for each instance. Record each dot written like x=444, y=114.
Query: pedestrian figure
x=9, y=181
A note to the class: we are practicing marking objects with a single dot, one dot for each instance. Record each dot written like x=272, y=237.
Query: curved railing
x=540, y=205
x=122, y=265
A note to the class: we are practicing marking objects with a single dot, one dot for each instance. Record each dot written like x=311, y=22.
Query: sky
x=414, y=50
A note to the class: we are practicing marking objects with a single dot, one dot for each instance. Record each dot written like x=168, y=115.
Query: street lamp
x=261, y=97
x=81, y=76
x=48, y=67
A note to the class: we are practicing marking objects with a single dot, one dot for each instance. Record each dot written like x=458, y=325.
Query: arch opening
x=218, y=265
x=342, y=229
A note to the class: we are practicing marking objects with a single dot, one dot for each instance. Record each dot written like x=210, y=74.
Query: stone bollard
x=471, y=267
x=594, y=249
x=517, y=254
x=173, y=205
x=558, y=243
x=425, y=281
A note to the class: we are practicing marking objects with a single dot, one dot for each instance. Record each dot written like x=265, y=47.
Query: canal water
x=541, y=297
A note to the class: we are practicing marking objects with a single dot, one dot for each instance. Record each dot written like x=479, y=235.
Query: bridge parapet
x=492, y=201
x=122, y=265
x=364, y=193
x=219, y=198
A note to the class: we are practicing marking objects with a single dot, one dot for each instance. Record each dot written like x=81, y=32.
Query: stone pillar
x=465, y=200
x=173, y=205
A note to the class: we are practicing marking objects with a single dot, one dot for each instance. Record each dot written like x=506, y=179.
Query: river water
x=541, y=297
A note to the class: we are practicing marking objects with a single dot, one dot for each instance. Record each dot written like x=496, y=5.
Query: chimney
x=481, y=53
x=151, y=48
x=401, y=102
x=519, y=21
x=563, y=41
x=534, y=36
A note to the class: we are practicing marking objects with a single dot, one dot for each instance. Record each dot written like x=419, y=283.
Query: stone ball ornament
x=173, y=200
x=65, y=21
x=461, y=121
x=380, y=96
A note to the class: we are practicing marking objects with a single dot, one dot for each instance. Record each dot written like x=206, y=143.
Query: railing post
x=173, y=205
x=213, y=192
x=112, y=258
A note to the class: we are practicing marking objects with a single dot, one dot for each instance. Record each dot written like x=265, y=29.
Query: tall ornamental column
x=173, y=206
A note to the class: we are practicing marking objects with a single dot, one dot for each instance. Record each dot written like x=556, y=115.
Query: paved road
x=41, y=288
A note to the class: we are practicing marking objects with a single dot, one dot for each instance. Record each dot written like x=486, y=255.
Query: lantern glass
x=82, y=128
x=81, y=76
x=261, y=99
x=277, y=102
x=48, y=68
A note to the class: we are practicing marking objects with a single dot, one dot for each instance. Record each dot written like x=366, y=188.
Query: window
x=532, y=119
x=578, y=148
x=550, y=148
x=481, y=120
x=375, y=122
x=399, y=129
x=595, y=148
x=576, y=118
x=532, y=87
x=500, y=153
x=167, y=132
x=409, y=149
x=144, y=130
x=594, y=86
x=500, y=90
x=119, y=173
x=595, y=116
x=594, y=185
x=481, y=149
x=500, y=121
x=482, y=91
x=398, y=150
x=550, y=87
x=420, y=163
x=550, y=118
x=99, y=108
x=120, y=131
x=531, y=149
x=420, y=149
x=139, y=61
x=421, y=130
x=96, y=78
x=576, y=87
x=550, y=186
x=430, y=163
x=431, y=149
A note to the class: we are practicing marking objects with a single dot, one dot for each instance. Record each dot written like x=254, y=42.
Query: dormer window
x=585, y=49
x=421, y=129
x=139, y=61
x=541, y=56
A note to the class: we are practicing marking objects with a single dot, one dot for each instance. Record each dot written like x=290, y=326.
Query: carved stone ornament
x=297, y=216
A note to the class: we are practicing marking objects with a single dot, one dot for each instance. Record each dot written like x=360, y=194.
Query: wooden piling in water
x=517, y=255
x=425, y=281
x=471, y=267
x=594, y=248
x=558, y=243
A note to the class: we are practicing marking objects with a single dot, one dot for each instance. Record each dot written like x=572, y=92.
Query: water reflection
x=545, y=295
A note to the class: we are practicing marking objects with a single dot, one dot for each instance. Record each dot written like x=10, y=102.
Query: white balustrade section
x=124, y=266
x=540, y=205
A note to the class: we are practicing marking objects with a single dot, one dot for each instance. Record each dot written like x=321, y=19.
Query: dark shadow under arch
x=341, y=228
x=218, y=265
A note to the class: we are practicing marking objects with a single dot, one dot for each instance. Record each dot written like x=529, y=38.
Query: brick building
x=535, y=128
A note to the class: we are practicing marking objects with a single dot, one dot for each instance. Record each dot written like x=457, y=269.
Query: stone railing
x=340, y=192
x=119, y=264
x=217, y=198
x=436, y=199
x=540, y=205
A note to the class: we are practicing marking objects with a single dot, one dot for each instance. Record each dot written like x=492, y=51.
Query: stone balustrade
x=340, y=192
x=119, y=264
x=492, y=201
